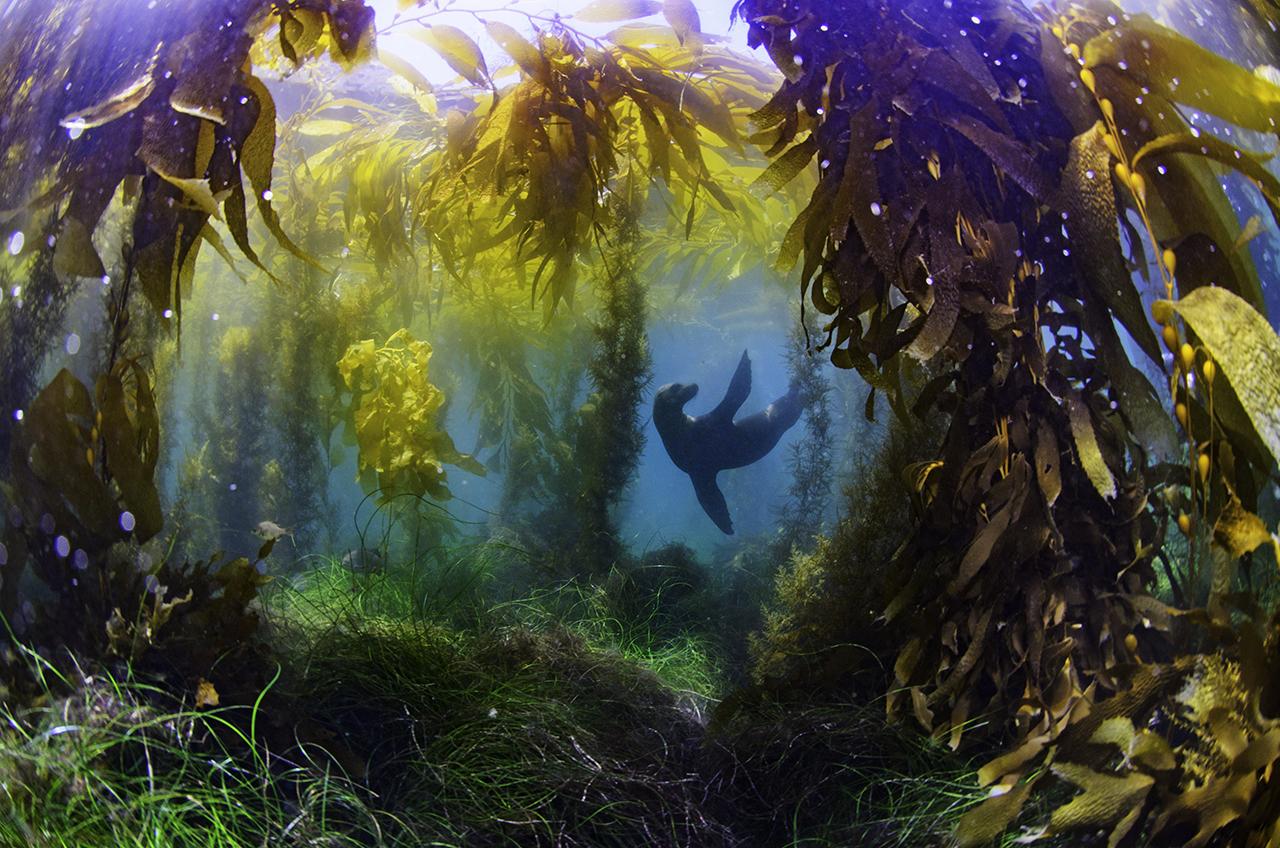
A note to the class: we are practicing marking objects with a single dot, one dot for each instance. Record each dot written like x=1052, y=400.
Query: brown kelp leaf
x=351, y=31
x=211, y=236
x=257, y=158
x=1105, y=800
x=1139, y=404
x=51, y=443
x=1048, y=464
x=206, y=695
x=979, y=550
x=458, y=51
x=1239, y=530
x=984, y=823
x=860, y=184
x=1086, y=195
x=118, y=105
x=1005, y=152
x=128, y=467
x=209, y=66
x=146, y=419
x=1087, y=449
x=73, y=253
x=257, y=154
x=238, y=223
x=169, y=142
x=942, y=316
x=1247, y=352
x=1203, y=144
x=1176, y=67
x=605, y=11
x=785, y=168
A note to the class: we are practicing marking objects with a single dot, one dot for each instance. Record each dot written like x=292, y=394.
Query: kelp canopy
x=1002, y=196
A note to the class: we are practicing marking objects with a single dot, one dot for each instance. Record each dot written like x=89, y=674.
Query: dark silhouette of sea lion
x=704, y=445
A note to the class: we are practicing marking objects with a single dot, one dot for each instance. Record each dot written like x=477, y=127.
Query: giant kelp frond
x=977, y=167
x=395, y=413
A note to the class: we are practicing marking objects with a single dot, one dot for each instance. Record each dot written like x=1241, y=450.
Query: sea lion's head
x=672, y=397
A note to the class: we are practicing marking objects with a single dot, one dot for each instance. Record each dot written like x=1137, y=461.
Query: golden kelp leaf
x=1216, y=804
x=604, y=11
x=682, y=94
x=205, y=141
x=73, y=253
x=1247, y=352
x=206, y=695
x=1087, y=449
x=325, y=126
x=1142, y=746
x=458, y=51
x=528, y=57
x=643, y=36
x=985, y=822
x=1012, y=761
x=396, y=411
x=198, y=192
x=1178, y=68
x=1105, y=800
x=1251, y=230
x=397, y=64
x=682, y=15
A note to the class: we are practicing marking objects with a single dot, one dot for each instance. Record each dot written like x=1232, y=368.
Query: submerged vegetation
x=1048, y=604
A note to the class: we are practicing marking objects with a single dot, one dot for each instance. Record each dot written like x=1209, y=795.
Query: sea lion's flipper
x=736, y=395
x=712, y=500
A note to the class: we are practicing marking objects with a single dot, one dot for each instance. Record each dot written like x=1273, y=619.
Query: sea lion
x=704, y=445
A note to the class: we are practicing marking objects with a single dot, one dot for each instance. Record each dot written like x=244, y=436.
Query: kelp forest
x=639, y=423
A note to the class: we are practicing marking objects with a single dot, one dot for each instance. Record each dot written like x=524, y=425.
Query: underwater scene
x=734, y=423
